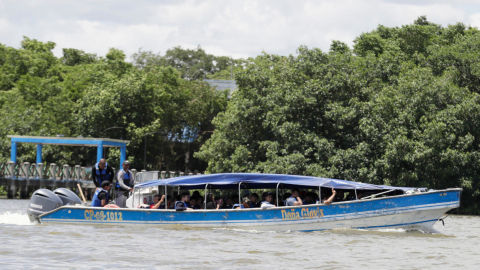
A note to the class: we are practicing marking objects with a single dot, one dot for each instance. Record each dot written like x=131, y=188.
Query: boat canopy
x=261, y=180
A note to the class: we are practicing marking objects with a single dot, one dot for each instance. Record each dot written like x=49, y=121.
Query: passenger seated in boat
x=310, y=198
x=193, y=203
x=228, y=203
x=199, y=200
x=100, y=198
x=246, y=202
x=331, y=198
x=182, y=205
x=254, y=201
x=340, y=197
x=211, y=203
x=294, y=199
x=267, y=200
x=159, y=203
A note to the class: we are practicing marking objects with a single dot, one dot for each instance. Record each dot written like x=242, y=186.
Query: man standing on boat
x=124, y=184
x=102, y=172
x=295, y=199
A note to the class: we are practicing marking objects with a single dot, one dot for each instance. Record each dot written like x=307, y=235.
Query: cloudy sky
x=223, y=27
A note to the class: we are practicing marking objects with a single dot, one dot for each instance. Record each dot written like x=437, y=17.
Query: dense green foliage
x=401, y=108
x=82, y=94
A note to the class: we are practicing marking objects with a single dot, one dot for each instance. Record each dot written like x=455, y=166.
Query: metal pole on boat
x=205, y=200
x=277, y=193
x=320, y=193
x=239, y=196
x=166, y=198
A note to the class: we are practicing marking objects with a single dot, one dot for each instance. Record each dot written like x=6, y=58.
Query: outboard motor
x=67, y=196
x=42, y=201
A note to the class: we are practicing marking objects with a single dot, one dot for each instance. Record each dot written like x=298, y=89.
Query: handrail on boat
x=373, y=195
x=277, y=193
x=239, y=193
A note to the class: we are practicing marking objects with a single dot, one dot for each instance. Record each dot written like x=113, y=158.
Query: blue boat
x=386, y=207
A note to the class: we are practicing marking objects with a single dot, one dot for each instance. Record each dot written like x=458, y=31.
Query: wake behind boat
x=382, y=207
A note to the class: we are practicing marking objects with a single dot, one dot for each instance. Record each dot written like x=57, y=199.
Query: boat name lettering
x=103, y=215
x=304, y=213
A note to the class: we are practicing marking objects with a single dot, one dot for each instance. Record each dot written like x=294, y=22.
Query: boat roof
x=261, y=180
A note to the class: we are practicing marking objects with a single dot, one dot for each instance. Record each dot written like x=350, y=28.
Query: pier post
x=53, y=171
x=39, y=171
x=26, y=175
x=66, y=172
x=77, y=173
x=134, y=173
x=11, y=169
x=82, y=173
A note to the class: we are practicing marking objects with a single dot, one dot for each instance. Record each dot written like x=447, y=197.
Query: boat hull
x=411, y=212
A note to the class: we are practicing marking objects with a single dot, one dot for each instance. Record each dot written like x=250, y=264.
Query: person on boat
x=159, y=202
x=228, y=203
x=100, y=198
x=212, y=203
x=193, y=203
x=294, y=199
x=102, y=172
x=331, y=198
x=182, y=205
x=246, y=202
x=124, y=184
x=200, y=202
x=267, y=201
x=310, y=198
x=254, y=201
x=340, y=197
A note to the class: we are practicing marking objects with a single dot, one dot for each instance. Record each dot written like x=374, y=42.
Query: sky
x=239, y=29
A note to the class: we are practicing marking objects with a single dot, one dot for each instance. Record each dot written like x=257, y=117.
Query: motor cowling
x=42, y=201
x=67, y=196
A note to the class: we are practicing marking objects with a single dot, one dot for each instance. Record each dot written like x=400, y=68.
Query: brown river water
x=23, y=245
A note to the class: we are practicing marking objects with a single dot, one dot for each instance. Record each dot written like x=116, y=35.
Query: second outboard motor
x=67, y=196
x=42, y=201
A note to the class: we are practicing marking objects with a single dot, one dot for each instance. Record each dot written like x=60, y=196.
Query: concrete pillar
x=83, y=173
x=77, y=173
x=163, y=174
x=66, y=172
x=182, y=174
x=171, y=174
x=25, y=170
x=134, y=173
x=39, y=171
x=11, y=169
x=190, y=173
x=12, y=192
x=53, y=171
x=33, y=168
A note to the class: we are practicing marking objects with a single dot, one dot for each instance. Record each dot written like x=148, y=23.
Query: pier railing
x=26, y=177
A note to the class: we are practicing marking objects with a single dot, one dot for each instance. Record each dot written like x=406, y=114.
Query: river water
x=24, y=245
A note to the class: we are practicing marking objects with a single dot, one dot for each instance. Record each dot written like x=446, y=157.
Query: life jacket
x=95, y=200
x=238, y=205
x=101, y=175
x=127, y=176
x=186, y=206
